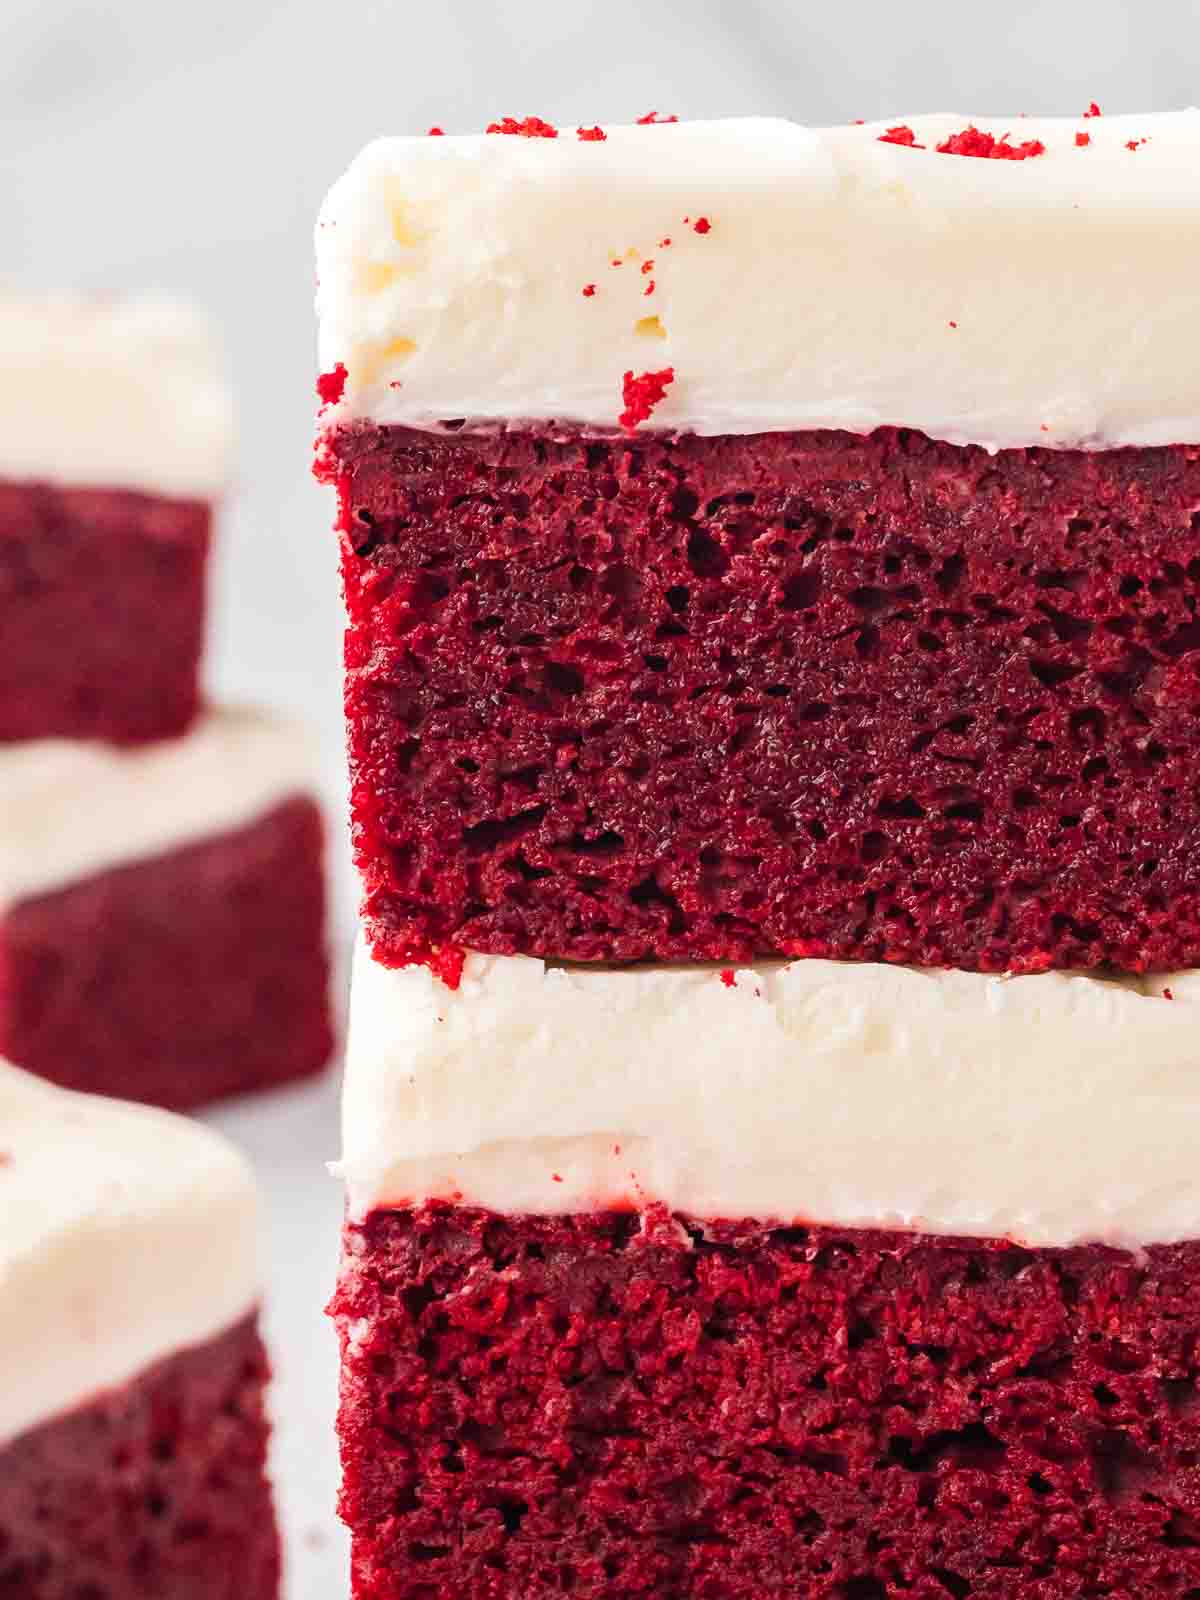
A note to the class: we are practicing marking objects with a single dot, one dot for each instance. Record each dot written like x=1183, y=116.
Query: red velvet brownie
x=132, y=1428
x=858, y=640
x=771, y=560
x=821, y=1279
x=168, y=944
x=116, y=433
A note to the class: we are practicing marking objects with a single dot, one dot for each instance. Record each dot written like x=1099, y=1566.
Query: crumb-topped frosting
x=114, y=392
x=1057, y=1109
x=126, y=1234
x=1000, y=281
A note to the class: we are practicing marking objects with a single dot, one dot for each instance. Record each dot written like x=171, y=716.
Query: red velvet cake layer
x=157, y=1491
x=599, y=1407
x=102, y=602
x=869, y=698
x=179, y=979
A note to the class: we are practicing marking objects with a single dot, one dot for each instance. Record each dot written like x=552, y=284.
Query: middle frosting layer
x=69, y=809
x=1055, y=1109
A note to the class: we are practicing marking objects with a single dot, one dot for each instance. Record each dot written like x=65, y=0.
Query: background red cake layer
x=156, y=1491
x=101, y=612
x=611, y=1406
x=178, y=979
x=810, y=693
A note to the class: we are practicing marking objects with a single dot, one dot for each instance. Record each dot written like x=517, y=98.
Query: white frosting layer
x=113, y=393
x=844, y=282
x=126, y=1234
x=70, y=809
x=1053, y=1110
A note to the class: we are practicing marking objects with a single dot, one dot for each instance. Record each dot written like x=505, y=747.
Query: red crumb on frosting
x=1082, y=139
x=973, y=142
x=649, y=289
x=1135, y=144
x=728, y=977
x=589, y=290
x=557, y=1176
x=436, y=132
x=1093, y=110
x=652, y=118
x=615, y=262
x=527, y=128
x=664, y=244
x=591, y=135
x=642, y=393
x=702, y=225
x=1167, y=995
x=331, y=385
x=901, y=135
x=648, y=265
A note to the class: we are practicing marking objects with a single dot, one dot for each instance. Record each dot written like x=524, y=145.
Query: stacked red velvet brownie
x=161, y=885
x=132, y=1431
x=773, y=681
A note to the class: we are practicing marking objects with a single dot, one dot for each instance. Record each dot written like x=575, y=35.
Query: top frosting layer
x=125, y=1234
x=812, y=278
x=113, y=393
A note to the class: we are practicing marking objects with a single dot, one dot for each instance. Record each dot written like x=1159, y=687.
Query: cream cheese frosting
x=801, y=277
x=119, y=393
x=1053, y=1110
x=126, y=1234
x=70, y=808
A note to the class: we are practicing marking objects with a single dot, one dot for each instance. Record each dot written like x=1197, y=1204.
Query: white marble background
x=181, y=146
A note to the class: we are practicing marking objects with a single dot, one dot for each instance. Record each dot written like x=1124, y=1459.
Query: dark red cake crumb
x=901, y=135
x=102, y=607
x=332, y=385
x=156, y=1491
x=642, y=393
x=1083, y=139
x=702, y=225
x=436, y=132
x=729, y=977
x=1093, y=110
x=972, y=142
x=652, y=119
x=181, y=979
x=588, y=290
x=591, y=135
x=620, y=1404
x=527, y=128
x=867, y=698
x=1167, y=995
x=1135, y=144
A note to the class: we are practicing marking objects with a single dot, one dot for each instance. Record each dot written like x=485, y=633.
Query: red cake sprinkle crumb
x=652, y=119
x=1167, y=995
x=1093, y=110
x=436, y=133
x=591, y=135
x=589, y=290
x=649, y=289
x=728, y=977
x=642, y=393
x=648, y=265
x=331, y=385
x=953, y=324
x=527, y=128
x=557, y=1176
x=664, y=244
x=702, y=225
x=974, y=142
x=1135, y=144
x=1082, y=139
x=615, y=262
x=901, y=135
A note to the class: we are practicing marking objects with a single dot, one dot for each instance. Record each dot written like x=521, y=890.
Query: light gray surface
x=187, y=147
x=289, y=1136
